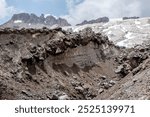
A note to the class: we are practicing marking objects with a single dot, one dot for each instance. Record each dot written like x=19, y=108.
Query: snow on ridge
x=17, y=21
x=116, y=19
x=46, y=15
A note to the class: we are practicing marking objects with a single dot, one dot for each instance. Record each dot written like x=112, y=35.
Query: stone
x=63, y=97
x=74, y=77
x=106, y=85
x=103, y=77
x=112, y=82
x=119, y=69
x=79, y=89
x=27, y=93
x=55, y=97
x=100, y=91
x=66, y=73
x=58, y=51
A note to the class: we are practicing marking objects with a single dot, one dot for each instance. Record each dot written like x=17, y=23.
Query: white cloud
x=5, y=10
x=90, y=9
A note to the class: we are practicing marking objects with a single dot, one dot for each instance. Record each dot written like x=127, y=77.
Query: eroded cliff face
x=55, y=64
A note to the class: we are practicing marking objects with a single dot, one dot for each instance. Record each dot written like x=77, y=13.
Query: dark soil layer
x=55, y=64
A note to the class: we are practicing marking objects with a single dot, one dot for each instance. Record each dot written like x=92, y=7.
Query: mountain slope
x=127, y=33
x=99, y=20
x=32, y=21
x=55, y=64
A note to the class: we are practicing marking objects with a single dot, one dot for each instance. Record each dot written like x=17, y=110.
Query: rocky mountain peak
x=21, y=16
x=31, y=20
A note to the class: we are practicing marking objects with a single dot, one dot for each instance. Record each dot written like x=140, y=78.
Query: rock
x=148, y=88
x=74, y=77
x=136, y=57
x=106, y=85
x=58, y=51
x=119, y=69
x=31, y=20
x=54, y=97
x=112, y=82
x=126, y=18
x=100, y=91
x=26, y=56
x=86, y=87
x=66, y=73
x=99, y=20
x=134, y=80
x=123, y=70
x=79, y=89
x=27, y=93
x=103, y=77
x=136, y=70
x=32, y=48
x=28, y=75
x=76, y=83
x=63, y=97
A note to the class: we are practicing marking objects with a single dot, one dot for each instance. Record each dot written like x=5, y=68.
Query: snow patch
x=126, y=43
x=46, y=15
x=76, y=29
x=17, y=21
x=137, y=22
x=146, y=25
x=116, y=19
x=139, y=27
x=124, y=29
x=129, y=35
x=110, y=32
x=122, y=43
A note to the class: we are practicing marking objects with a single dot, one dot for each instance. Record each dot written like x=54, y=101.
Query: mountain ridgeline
x=99, y=20
x=33, y=21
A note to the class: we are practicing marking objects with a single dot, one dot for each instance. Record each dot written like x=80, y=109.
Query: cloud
x=79, y=10
x=5, y=10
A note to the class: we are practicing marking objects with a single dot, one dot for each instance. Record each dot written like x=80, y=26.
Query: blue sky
x=54, y=7
x=75, y=11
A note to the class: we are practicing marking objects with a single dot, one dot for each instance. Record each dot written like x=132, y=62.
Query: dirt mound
x=55, y=64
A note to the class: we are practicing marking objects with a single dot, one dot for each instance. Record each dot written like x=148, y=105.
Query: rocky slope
x=32, y=21
x=99, y=20
x=55, y=64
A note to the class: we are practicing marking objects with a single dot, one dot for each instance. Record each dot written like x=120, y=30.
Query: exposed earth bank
x=56, y=64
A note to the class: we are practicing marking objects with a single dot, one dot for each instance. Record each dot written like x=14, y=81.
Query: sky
x=75, y=11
